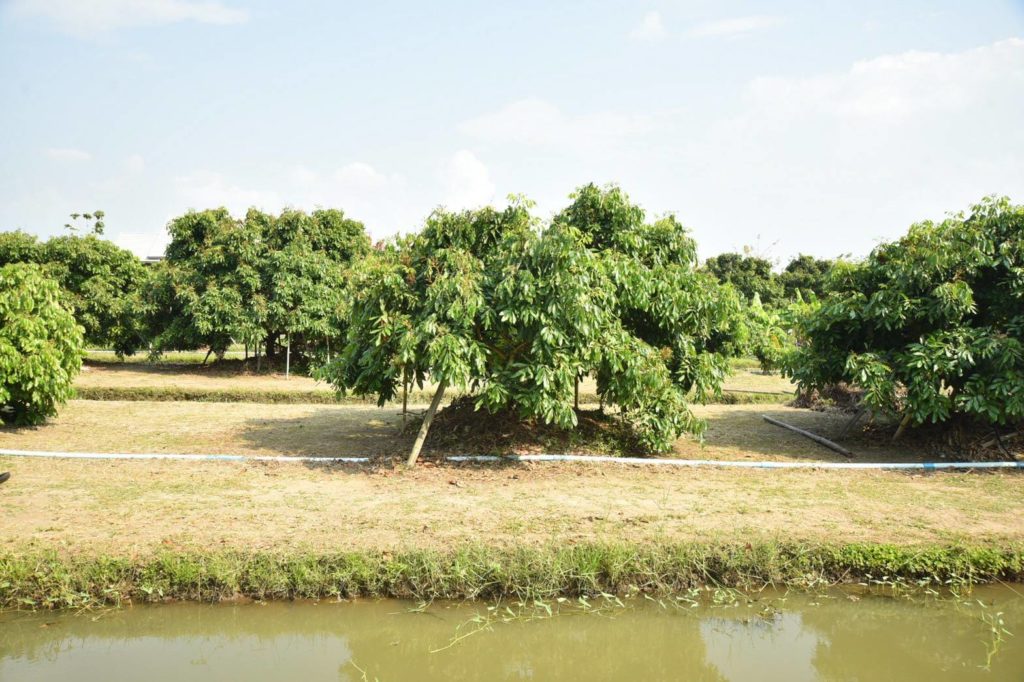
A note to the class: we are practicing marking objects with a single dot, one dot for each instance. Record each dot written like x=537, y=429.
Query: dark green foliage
x=749, y=274
x=805, y=275
x=487, y=302
x=101, y=284
x=932, y=325
x=303, y=272
x=254, y=280
x=40, y=345
x=660, y=296
x=204, y=294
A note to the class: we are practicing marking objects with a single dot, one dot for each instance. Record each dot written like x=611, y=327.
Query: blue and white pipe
x=583, y=459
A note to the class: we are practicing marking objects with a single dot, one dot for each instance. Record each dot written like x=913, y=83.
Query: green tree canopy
x=805, y=275
x=101, y=283
x=40, y=345
x=206, y=291
x=254, y=279
x=306, y=258
x=931, y=325
x=19, y=247
x=489, y=302
x=749, y=274
x=661, y=296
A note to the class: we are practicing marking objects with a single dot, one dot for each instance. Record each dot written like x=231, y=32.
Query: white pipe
x=178, y=456
x=585, y=459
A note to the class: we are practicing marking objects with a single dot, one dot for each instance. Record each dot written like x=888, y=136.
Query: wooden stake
x=425, y=426
x=807, y=434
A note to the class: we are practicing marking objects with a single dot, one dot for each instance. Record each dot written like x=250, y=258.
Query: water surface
x=791, y=637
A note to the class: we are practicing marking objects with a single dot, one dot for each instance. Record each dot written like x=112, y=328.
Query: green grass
x=48, y=580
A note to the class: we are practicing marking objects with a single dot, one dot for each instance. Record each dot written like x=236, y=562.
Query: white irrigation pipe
x=586, y=459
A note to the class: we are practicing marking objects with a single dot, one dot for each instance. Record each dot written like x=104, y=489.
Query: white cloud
x=538, y=122
x=649, y=29
x=206, y=189
x=67, y=154
x=467, y=182
x=835, y=161
x=898, y=86
x=84, y=17
x=733, y=27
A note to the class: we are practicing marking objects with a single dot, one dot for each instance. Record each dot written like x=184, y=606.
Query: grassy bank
x=50, y=581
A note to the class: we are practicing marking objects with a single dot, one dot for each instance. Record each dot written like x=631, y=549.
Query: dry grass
x=211, y=377
x=134, y=508
x=734, y=431
x=755, y=380
x=231, y=376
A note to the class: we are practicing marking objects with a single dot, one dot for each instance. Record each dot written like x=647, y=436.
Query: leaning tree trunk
x=425, y=426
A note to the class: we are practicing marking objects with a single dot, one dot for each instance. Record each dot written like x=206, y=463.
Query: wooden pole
x=425, y=426
x=576, y=394
x=807, y=434
x=257, y=357
x=288, y=357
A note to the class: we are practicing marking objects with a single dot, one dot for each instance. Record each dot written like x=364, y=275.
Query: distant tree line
x=516, y=311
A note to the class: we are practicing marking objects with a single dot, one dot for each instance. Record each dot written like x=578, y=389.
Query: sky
x=819, y=127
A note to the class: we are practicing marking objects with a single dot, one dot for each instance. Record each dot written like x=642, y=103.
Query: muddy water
x=778, y=637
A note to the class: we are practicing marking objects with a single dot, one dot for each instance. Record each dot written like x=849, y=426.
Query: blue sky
x=816, y=127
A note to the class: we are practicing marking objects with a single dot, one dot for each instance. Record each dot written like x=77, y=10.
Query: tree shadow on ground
x=740, y=433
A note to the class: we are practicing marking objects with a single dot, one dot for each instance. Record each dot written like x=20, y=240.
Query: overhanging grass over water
x=48, y=580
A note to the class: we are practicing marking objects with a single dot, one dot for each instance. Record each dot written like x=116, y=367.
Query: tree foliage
x=490, y=303
x=205, y=292
x=254, y=279
x=805, y=275
x=101, y=284
x=931, y=325
x=40, y=345
x=749, y=274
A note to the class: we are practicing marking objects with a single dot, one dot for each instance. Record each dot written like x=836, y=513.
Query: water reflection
x=804, y=638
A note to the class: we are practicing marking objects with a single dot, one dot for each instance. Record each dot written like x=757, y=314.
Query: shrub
x=40, y=346
x=930, y=326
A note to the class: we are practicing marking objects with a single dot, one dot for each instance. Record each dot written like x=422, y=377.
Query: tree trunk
x=207, y=356
x=425, y=426
x=270, y=347
x=258, y=358
x=576, y=394
x=903, y=426
x=405, y=399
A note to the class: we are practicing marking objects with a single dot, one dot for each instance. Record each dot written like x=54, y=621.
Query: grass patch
x=50, y=581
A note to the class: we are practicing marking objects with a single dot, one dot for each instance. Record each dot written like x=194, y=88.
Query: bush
x=40, y=346
x=930, y=326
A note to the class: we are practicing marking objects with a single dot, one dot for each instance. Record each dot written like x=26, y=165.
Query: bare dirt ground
x=129, y=508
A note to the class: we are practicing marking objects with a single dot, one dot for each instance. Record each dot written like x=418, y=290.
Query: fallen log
x=807, y=434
